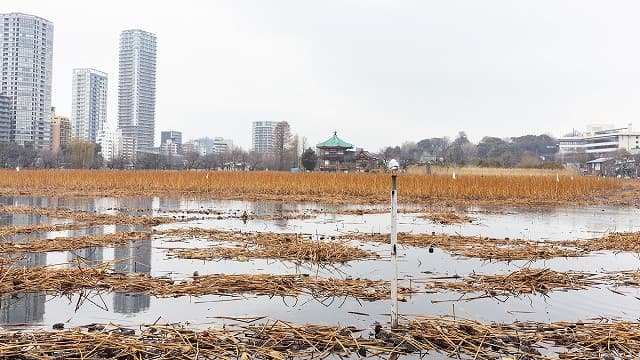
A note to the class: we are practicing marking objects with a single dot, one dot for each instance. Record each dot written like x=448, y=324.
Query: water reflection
x=24, y=308
x=276, y=209
x=133, y=257
x=88, y=256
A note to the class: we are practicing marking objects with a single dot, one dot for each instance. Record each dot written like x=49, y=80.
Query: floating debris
x=448, y=218
x=69, y=243
x=523, y=281
x=101, y=277
x=251, y=245
x=279, y=340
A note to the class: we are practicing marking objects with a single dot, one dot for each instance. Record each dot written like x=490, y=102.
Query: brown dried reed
x=101, y=278
x=455, y=337
x=523, y=281
x=266, y=245
x=325, y=187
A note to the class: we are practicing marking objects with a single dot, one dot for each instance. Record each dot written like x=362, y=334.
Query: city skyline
x=428, y=68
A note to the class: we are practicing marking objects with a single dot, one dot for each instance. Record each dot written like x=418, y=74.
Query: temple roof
x=334, y=142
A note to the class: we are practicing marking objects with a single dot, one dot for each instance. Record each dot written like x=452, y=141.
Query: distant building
x=171, y=142
x=88, y=103
x=108, y=141
x=263, y=136
x=365, y=161
x=195, y=146
x=137, y=91
x=334, y=154
x=601, y=167
x=221, y=145
x=60, y=131
x=25, y=69
x=5, y=118
x=174, y=136
x=125, y=147
x=600, y=141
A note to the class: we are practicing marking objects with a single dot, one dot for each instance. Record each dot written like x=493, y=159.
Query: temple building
x=335, y=154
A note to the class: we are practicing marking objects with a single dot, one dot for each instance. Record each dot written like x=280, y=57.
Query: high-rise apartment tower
x=137, y=88
x=263, y=136
x=88, y=103
x=25, y=76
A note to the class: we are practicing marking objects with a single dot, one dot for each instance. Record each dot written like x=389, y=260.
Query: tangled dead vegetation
x=101, y=278
x=250, y=245
x=478, y=246
x=28, y=229
x=521, y=340
x=73, y=242
x=447, y=218
x=615, y=241
x=80, y=220
x=279, y=340
x=91, y=219
x=523, y=281
x=510, y=249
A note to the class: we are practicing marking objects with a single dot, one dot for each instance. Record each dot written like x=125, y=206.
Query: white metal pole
x=394, y=259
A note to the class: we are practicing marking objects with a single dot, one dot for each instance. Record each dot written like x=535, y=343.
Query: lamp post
x=394, y=167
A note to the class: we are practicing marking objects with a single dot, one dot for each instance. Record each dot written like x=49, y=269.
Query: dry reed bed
x=326, y=187
x=510, y=249
x=86, y=217
x=28, y=229
x=447, y=218
x=70, y=243
x=523, y=281
x=101, y=278
x=522, y=340
x=279, y=340
x=250, y=245
x=615, y=241
x=247, y=245
x=479, y=246
x=83, y=220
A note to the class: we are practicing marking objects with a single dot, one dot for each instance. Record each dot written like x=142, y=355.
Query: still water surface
x=149, y=257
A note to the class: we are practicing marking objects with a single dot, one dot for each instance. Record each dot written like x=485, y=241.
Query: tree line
x=522, y=151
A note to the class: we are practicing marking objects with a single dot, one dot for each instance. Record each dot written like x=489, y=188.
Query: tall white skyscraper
x=137, y=88
x=25, y=65
x=88, y=103
x=263, y=136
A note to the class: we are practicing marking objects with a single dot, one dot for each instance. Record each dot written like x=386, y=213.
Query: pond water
x=149, y=256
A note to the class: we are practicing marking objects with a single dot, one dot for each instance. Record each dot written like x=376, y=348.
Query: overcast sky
x=378, y=72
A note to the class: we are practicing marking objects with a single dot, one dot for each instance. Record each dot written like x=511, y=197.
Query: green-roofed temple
x=334, y=154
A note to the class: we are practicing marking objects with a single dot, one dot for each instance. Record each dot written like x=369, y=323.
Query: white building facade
x=263, y=136
x=108, y=141
x=6, y=111
x=221, y=145
x=88, y=103
x=137, y=90
x=601, y=140
x=25, y=65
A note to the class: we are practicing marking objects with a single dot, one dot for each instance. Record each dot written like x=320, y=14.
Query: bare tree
x=282, y=134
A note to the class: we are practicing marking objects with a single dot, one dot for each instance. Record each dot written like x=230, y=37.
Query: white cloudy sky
x=378, y=72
